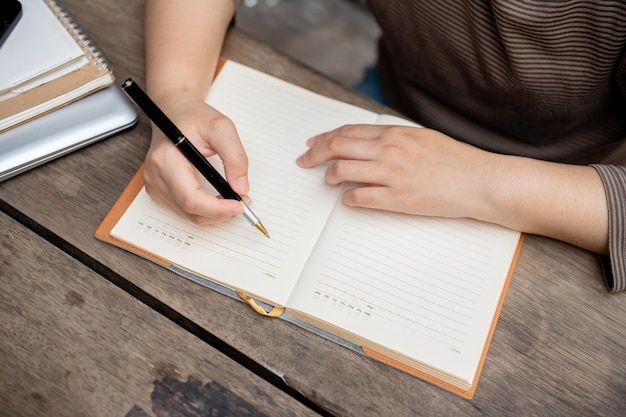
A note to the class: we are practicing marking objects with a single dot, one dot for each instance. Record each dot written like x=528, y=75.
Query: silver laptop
x=64, y=130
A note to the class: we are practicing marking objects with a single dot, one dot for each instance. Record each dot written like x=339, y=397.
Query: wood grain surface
x=73, y=344
x=558, y=348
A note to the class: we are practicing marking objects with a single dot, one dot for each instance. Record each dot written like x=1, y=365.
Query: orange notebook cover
x=103, y=232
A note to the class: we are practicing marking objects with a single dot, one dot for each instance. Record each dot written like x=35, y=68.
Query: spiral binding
x=92, y=51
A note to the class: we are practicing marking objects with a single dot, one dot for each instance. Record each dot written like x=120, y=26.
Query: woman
x=512, y=92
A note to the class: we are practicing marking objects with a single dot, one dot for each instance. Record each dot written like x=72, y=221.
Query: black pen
x=186, y=147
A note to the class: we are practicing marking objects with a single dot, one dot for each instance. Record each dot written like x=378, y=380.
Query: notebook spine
x=92, y=51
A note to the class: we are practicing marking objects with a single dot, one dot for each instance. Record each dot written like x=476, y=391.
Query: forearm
x=565, y=202
x=183, y=41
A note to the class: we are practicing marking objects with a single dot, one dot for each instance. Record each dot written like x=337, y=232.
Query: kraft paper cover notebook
x=420, y=293
x=47, y=62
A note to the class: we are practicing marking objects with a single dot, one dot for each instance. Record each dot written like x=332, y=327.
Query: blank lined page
x=273, y=119
x=426, y=288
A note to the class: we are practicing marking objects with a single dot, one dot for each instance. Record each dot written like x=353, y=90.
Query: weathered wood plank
x=557, y=347
x=72, y=344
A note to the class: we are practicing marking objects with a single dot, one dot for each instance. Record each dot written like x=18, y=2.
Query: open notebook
x=422, y=294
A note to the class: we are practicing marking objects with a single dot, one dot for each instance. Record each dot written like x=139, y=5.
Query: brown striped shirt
x=539, y=78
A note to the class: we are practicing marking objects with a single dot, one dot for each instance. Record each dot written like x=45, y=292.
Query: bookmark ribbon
x=274, y=312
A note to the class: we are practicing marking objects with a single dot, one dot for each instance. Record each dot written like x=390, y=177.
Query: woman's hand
x=172, y=180
x=180, y=65
x=421, y=171
x=406, y=169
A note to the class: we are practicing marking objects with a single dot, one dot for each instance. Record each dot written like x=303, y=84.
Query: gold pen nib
x=252, y=219
x=262, y=229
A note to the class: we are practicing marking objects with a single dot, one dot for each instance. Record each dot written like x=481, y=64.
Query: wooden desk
x=88, y=329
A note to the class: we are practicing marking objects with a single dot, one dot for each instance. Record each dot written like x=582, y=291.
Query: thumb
x=235, y=162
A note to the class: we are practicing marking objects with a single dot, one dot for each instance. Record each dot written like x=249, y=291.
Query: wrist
x=166, y=93
x=482, y=192
x=565, y=202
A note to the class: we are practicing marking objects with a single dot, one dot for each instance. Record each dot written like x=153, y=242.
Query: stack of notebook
x=57, y=90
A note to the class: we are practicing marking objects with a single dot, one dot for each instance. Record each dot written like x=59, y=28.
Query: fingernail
x=237, y=210
x=242, y=185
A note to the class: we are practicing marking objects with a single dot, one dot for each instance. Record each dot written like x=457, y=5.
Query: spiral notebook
x=47, y=63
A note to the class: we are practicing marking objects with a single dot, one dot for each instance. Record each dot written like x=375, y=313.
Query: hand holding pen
x=188, y=149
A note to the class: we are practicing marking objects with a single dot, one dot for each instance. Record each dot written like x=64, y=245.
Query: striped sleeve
x=614, y=265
